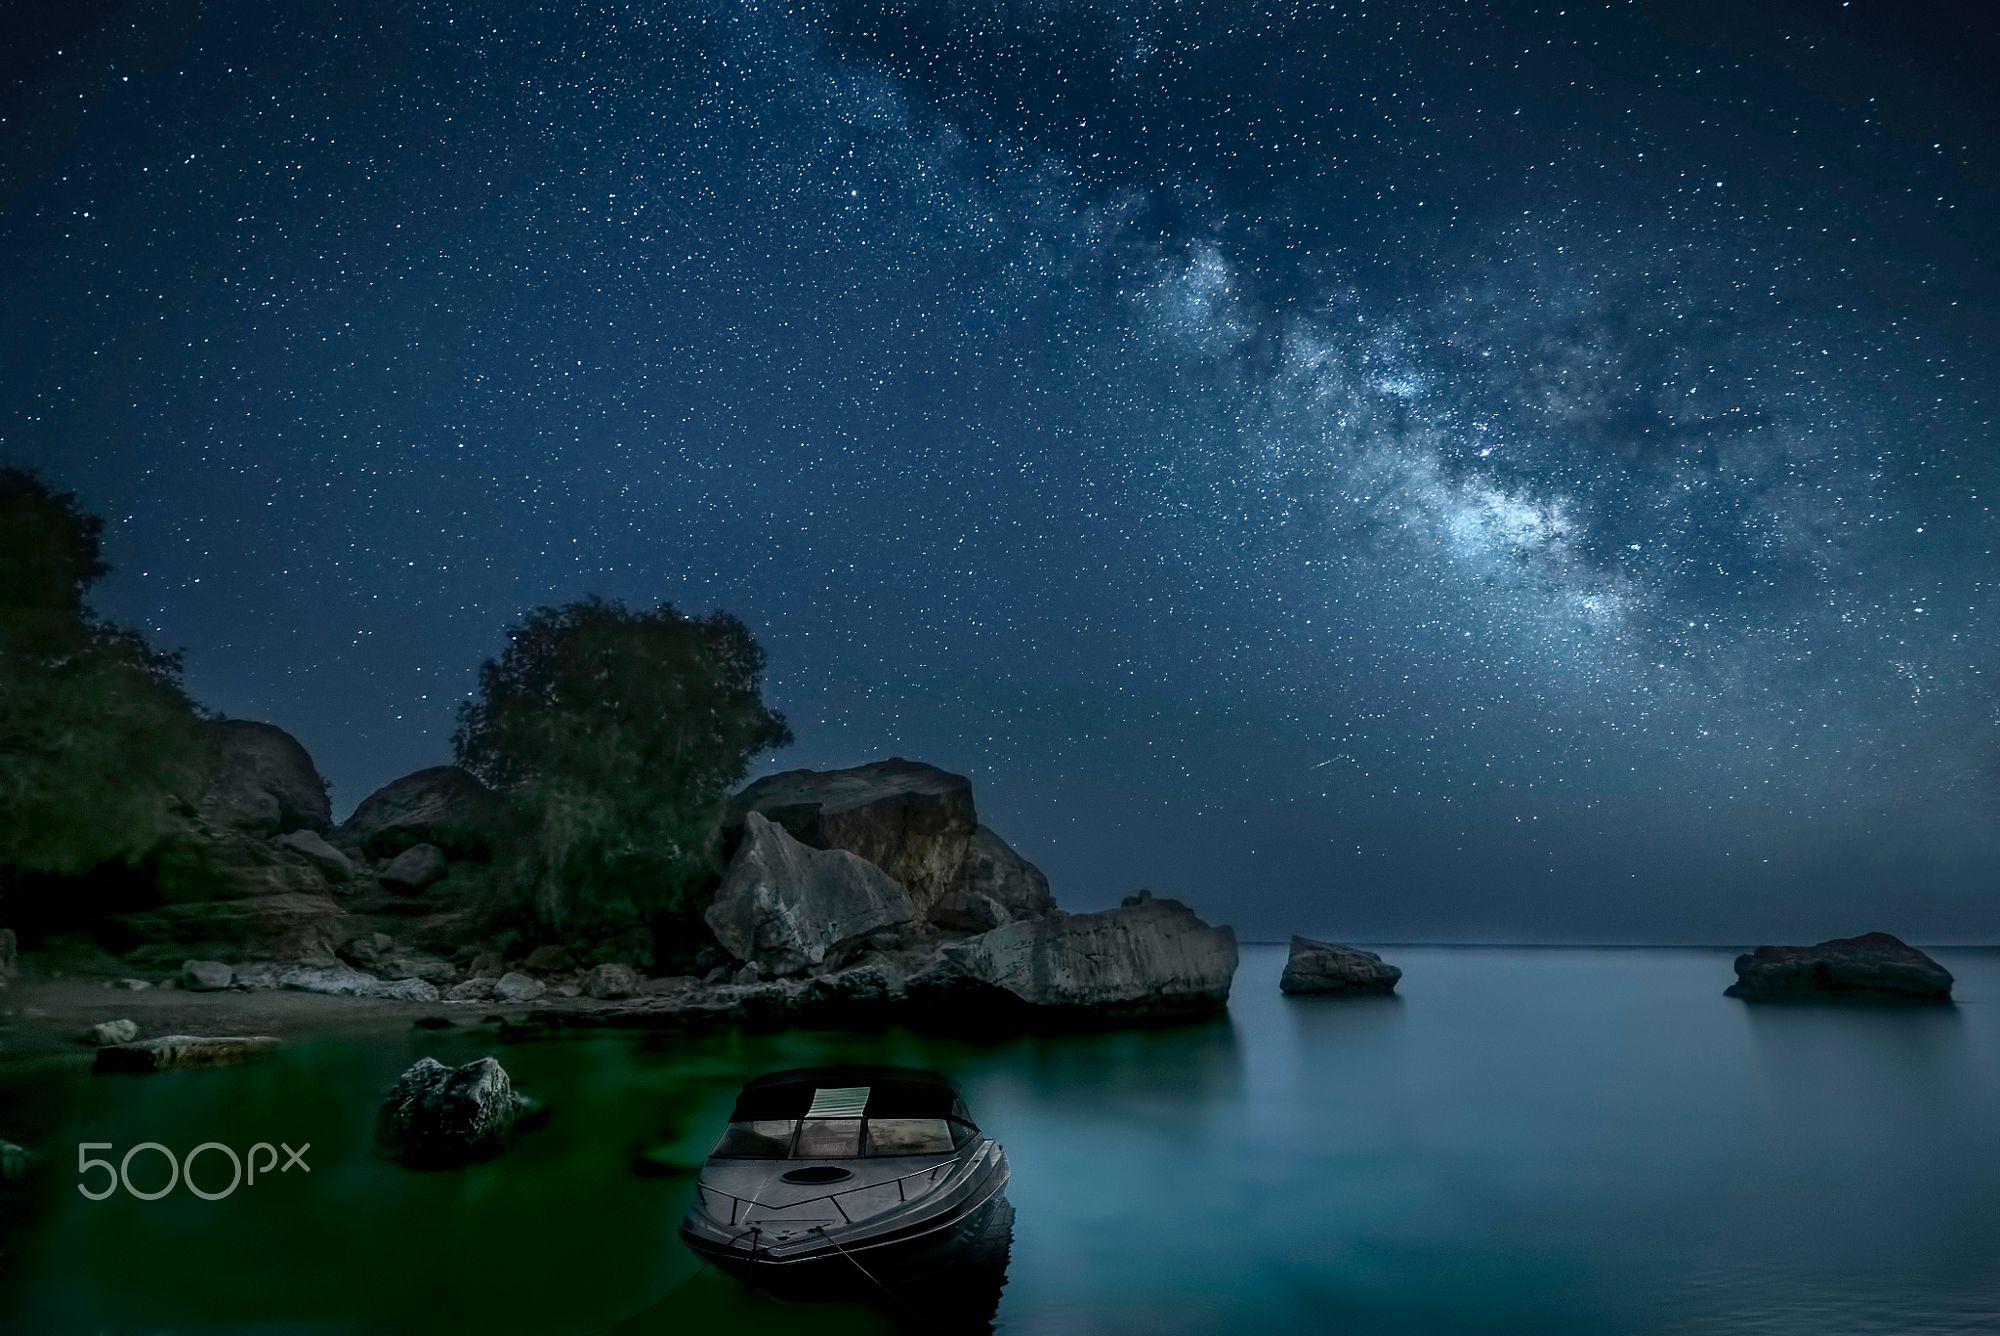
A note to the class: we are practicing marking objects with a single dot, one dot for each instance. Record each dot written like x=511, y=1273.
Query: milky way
x=1455, y=474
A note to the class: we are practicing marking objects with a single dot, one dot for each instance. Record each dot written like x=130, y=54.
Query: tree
x=97, y=738
x=613, y=737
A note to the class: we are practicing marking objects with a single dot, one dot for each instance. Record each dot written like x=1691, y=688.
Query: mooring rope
x=695, y=1275
x=902, y=1303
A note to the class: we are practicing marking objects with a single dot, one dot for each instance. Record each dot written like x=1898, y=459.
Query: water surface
x=1524, y=1141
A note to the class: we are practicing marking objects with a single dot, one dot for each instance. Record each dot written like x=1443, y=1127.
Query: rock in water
x=308, y=845
x=206, y=976
x=438, y=1115
x=911, y=820
x=415, y=868
x=787, y=908
x=607, y=982
x=443, y=805
x=265, y=782
x=1342, y=971
x=1873, y=965
x=1145, y=958
x=182, y=1050
x=515, y=986
x=16, y=1162
x=105, y=1033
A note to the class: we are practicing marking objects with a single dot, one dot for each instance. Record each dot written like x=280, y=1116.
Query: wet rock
x=170, y=1052
x=1150, y=958
x=1874, y=965
x=438, y=1115
x=336, y=980
x=414, y=869
x=514, y=986
x=788, y=907
x=310, y=846
x=443, y=805
x=105, y=1033
x=206, y=976
x=265, y=782
x=1342, y=971
x=610, y=981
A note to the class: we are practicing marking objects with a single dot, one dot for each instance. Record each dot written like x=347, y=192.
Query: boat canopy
x=849, y=1092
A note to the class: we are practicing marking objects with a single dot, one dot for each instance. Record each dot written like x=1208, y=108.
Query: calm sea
x=1525, y=1140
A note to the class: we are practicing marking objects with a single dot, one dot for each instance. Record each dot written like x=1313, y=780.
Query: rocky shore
x=869, y=892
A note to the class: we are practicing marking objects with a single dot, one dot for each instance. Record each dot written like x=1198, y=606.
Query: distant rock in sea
x=1337, y=971
x=1873, y=965
x=438, y=1115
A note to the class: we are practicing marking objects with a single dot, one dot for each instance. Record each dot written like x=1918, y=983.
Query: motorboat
x=831, y=1172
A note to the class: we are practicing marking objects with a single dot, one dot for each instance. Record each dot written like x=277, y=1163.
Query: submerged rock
x=438, y=1115
x=1344, y=971
x=337, y=980
x=787, y=907
x=182, y=1050
x=443, y=805
x=1873, y=965
x=105, y=1033
x=265, y=782
x=1146, y=958
x=414, y=869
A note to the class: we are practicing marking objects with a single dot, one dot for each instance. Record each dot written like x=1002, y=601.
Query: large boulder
x=414, y=869
x=265, y=782
x=443, y=805
x=438, y=1115
x=1873, y=965
x=789, y=908
x=909, y=819
x=1146, y=958
x=311, y=846
x=182, y=1050
x=995, y=886
x=1342, y=971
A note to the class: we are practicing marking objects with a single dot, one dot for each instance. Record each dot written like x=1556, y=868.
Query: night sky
x=1398, y=471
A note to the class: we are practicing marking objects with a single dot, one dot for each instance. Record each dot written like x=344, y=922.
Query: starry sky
x=1512, y=472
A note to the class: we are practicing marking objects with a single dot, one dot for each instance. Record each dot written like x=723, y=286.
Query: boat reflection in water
x=869, y=1181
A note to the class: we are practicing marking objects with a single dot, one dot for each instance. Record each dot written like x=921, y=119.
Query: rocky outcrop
x=1872, y=966
x=183, y=1050
x=995, y=886
x=788, y=908
x=265, y=783
x=911, y=820
x=336, y=980
x=105, y=1033
x=1146, y=958
x=414, y=869
x=206, y=976
x=609, y=982
x=443, y=805
x=438, y=1115
x=1339, y=971
x=276, y=924
x=309, y=845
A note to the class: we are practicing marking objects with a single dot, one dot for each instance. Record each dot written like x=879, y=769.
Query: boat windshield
x=841, y=1138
